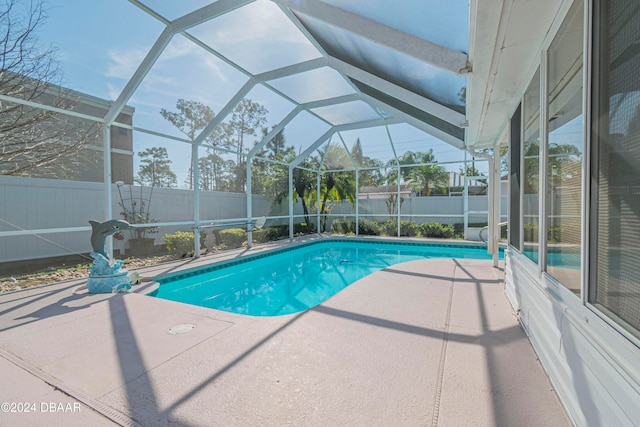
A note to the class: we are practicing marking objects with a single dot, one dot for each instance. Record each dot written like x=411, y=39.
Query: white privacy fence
x=41, y=218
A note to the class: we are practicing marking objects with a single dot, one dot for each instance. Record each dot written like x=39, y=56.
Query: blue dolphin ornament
x=100, y=231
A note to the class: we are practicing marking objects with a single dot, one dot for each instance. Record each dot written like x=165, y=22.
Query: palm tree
x=424, y=170
x=303, y=185
x=335, y=185
x=304, y=182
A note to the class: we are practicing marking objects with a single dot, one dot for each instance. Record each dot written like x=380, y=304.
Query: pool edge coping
x=289, y=246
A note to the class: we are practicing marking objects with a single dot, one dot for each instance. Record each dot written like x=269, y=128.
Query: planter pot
x=142, y=246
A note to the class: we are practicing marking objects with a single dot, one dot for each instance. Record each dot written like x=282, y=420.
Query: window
x=514, y=181
x=563, y=207
x=531, y=171
x=615, y=169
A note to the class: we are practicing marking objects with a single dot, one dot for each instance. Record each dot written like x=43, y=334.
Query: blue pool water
x=295, y=279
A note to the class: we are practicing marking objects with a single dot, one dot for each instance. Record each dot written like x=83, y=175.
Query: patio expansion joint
x=58, y=385
x=443, y=355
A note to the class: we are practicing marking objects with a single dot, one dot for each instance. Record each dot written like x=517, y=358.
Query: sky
x=100, y=43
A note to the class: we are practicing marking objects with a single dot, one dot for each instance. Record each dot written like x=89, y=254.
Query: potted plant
x=135, y=206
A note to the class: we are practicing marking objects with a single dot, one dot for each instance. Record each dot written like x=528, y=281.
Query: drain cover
x=181, y=329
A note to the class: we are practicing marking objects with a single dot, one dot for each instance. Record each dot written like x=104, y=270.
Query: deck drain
x=181, y=329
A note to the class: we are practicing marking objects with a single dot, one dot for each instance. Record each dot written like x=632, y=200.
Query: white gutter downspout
x=492, y=191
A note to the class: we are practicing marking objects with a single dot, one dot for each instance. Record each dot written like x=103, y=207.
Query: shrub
x=368, y=228
x=179, y=243
x=343, y=226
x=280, y=231
x=233, y=237
x=408, y=228
x=435, y=229
x=458, y=227
x=268, y=234
x=262, y=236
x=389, y=228
x=304, y=228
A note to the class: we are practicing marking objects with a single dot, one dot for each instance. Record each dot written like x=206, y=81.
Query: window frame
x=515, y=178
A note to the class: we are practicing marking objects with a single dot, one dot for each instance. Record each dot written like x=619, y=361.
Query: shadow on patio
x=430, y=342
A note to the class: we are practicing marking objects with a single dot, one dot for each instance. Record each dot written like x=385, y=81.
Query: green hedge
x=389, y=228
x=367, y=227
x=266, y=234
x=233, y=237
x=437, y=230
x=458, y=228
x=179, y=243
x=409, y=229
x=304, y=228
x=343, y=226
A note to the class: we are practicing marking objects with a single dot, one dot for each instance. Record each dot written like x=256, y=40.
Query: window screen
x=564, y=150
x=615, y=242
x=531, y=172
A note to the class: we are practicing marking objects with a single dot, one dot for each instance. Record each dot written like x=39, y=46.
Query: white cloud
x=255, y=33
x=113, y=91
x=213, y=64
x=123, y=62
x=178, y=47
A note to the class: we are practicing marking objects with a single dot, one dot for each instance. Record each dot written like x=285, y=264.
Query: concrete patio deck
x=430, y=342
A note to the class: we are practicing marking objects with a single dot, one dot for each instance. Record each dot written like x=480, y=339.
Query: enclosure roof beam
x=268, y=137
x=210, y=11
x=150, y=11
x=367, y=124
x=400, y=41
x=425, y=127
x=297, y=110
x=393, y=146
x=152, y=56
x=224, y=112
x=311, y=148
x=289, y=70
x=189, y=20
x=332, y=101
x=344, y=144
x=340, y=128
x=405, y=95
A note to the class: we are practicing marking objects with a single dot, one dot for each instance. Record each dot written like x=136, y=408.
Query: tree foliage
x=37, y=142
x=367, y=177
x=190, y=119
x=335, y=185
x=564, y=162
x=423, y=171
x=218, y=173
x=245, y=121
x=214, y=172
x=155, y=169
x=268, y=177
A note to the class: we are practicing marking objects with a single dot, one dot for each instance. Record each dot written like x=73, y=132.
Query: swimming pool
x=298, y=277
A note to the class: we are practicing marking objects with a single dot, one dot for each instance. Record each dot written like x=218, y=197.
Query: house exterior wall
x=121, y=138
x=592, y=357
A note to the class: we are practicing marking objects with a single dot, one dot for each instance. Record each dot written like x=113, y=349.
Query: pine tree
x=155, y=169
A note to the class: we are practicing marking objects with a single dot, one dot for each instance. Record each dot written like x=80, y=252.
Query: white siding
x=594, y=368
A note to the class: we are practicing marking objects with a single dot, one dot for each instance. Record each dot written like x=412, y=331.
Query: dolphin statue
x=100, y=231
